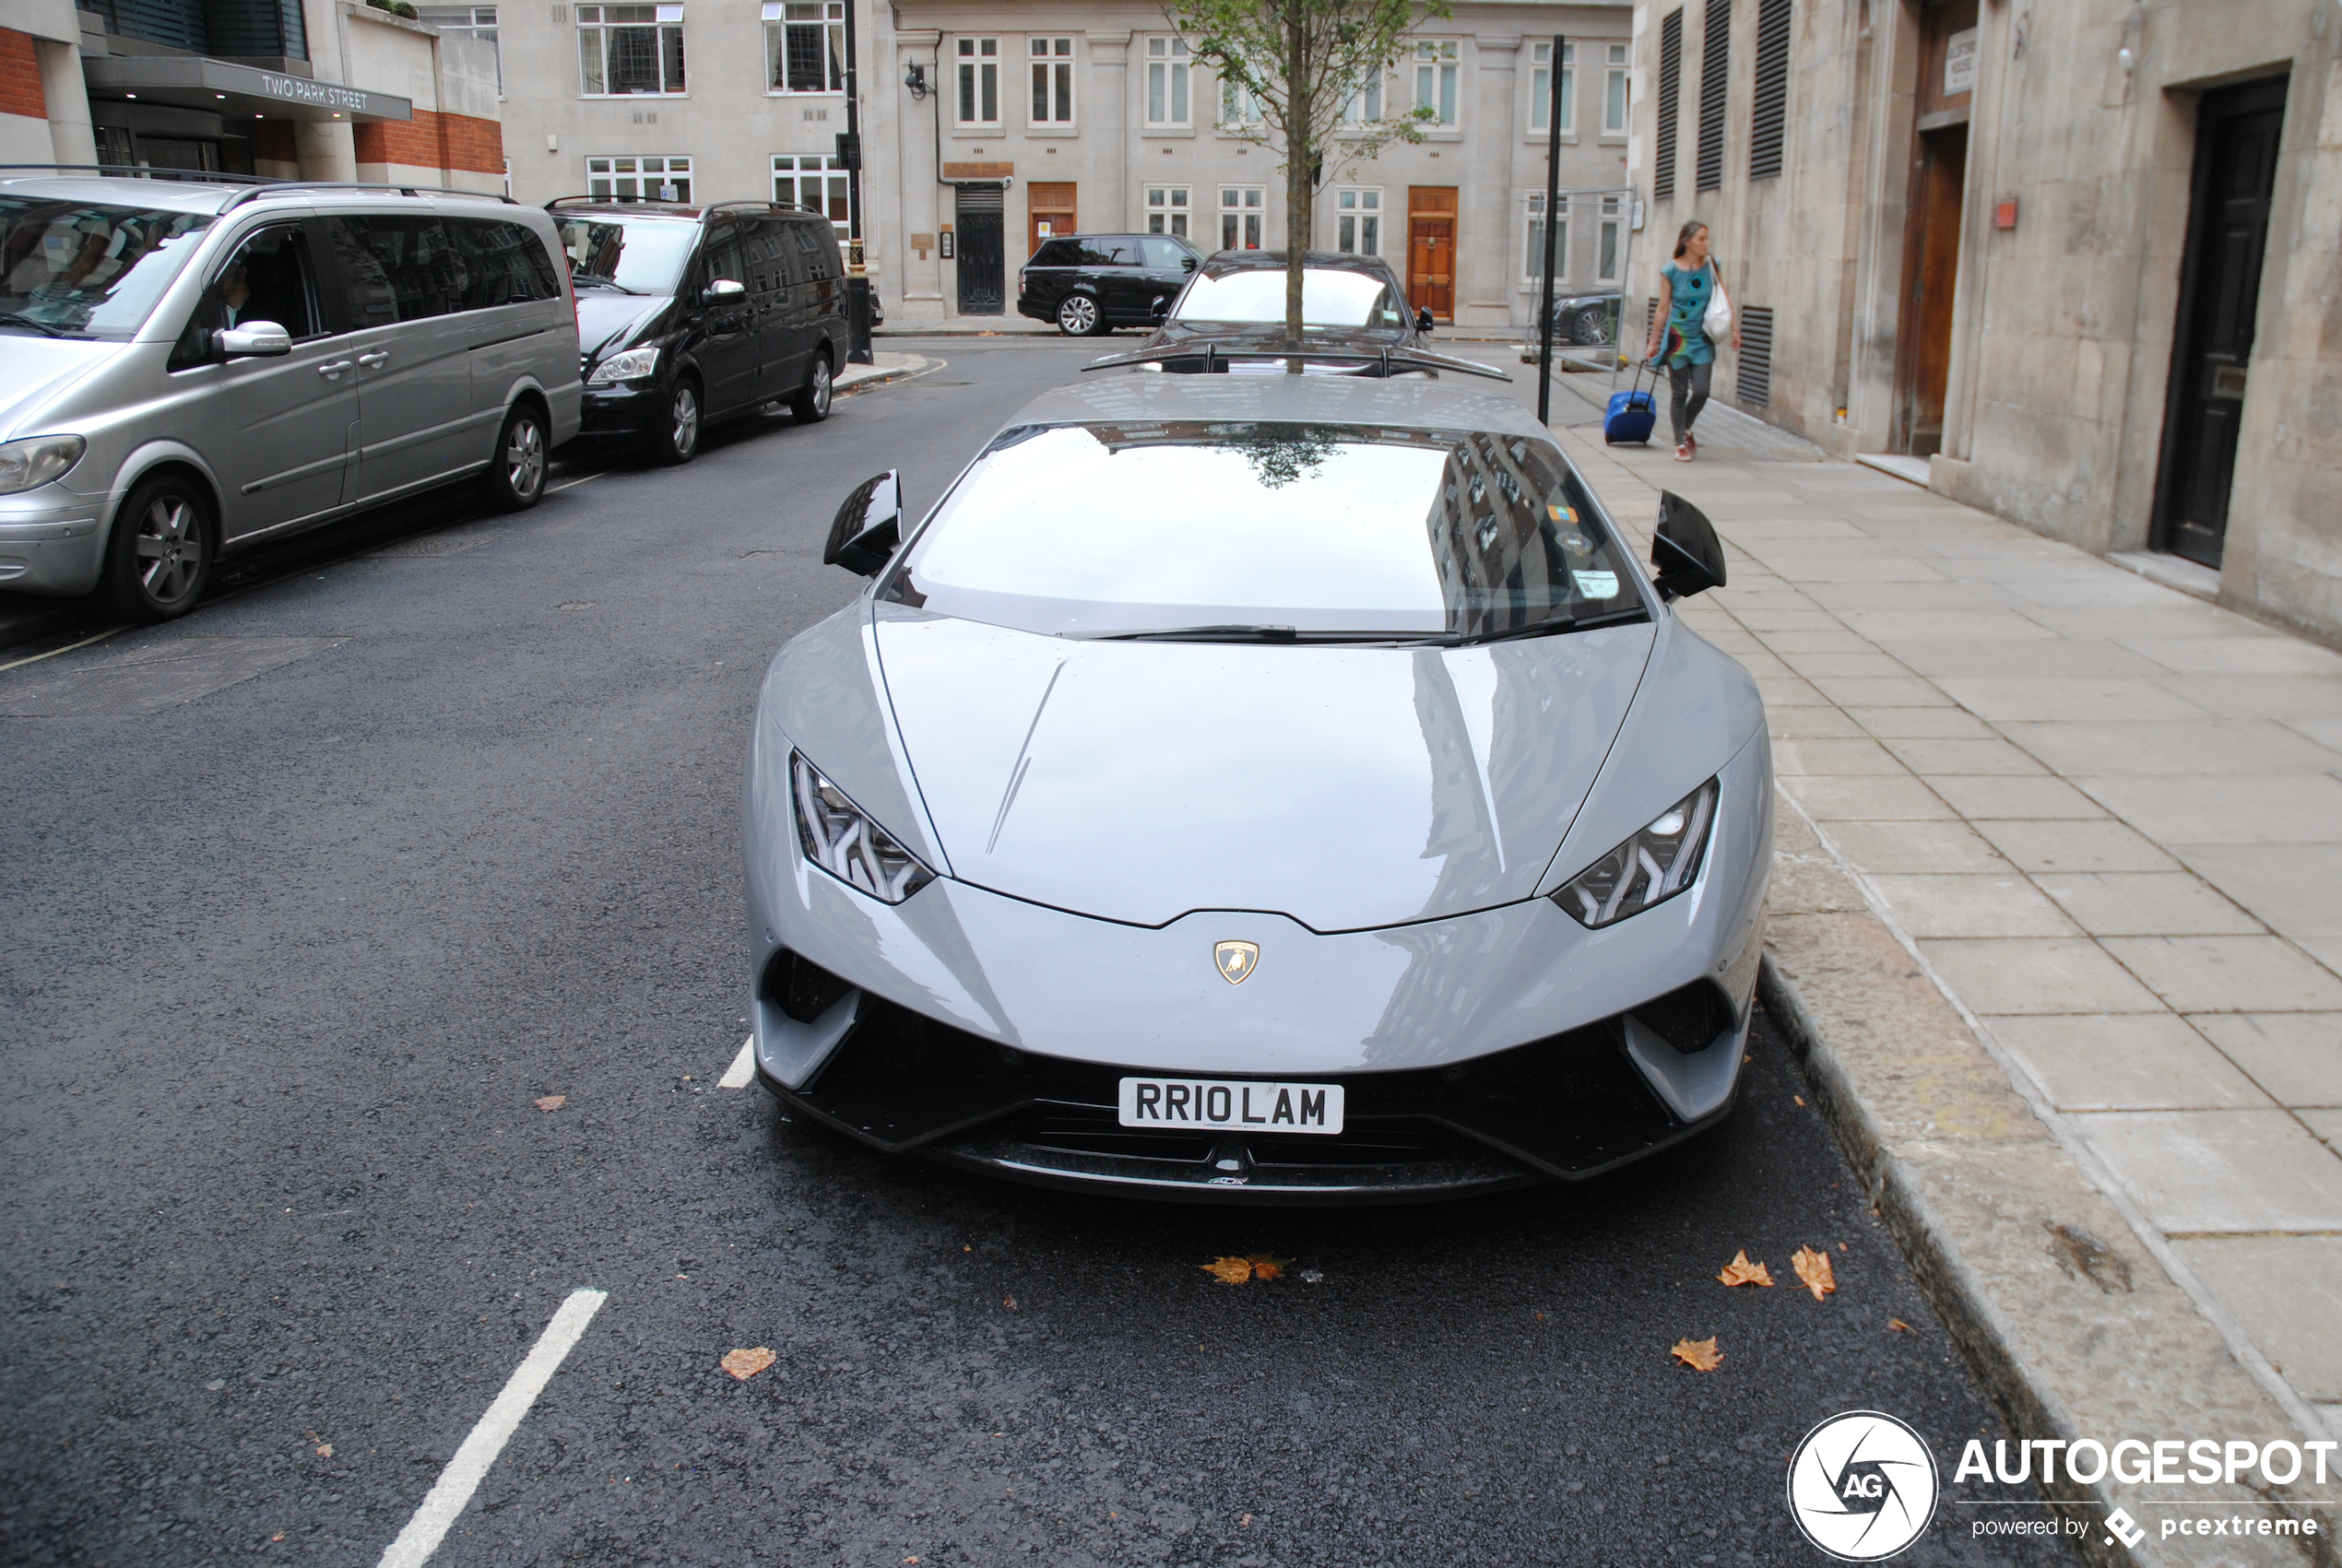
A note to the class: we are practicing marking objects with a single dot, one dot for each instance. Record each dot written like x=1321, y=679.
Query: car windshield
x=82, y=269
x=1270, y=531
x=1329, y=297
x=642, y=255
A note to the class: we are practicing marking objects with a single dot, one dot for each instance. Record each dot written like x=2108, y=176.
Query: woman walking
x=1687, y=286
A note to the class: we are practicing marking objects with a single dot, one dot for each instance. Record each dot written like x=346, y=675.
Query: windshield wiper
x=1555, y=626
x=12, y=318
x=598, y=282
x=1243, y=633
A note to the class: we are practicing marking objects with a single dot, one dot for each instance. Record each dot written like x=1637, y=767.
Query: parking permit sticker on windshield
x=1561, y=513
x=1597, y=584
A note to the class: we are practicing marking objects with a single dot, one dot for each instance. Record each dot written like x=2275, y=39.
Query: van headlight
x=839, y=839
x=1649, y=867
x=28, y=465
x=631, y=364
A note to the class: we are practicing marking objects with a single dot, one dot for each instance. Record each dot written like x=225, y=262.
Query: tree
x=1301, y=62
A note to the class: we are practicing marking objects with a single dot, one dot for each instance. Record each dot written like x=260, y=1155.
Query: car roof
x=1223, y=262
x=1405, y=403
x=563, y=206
x=215, y=196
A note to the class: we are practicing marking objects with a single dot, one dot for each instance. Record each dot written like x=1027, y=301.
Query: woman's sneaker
x=1683, y=453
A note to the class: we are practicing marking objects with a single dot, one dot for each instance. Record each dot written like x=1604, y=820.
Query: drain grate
x=428, y=544
x=127, y=682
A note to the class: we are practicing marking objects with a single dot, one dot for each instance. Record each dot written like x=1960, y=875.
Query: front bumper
x=629, y=411
x=52, y=550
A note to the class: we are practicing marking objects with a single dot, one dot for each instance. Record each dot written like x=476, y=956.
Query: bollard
x=858, y=321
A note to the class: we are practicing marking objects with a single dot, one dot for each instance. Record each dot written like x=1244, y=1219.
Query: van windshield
x=640, y=255
x=79, y=269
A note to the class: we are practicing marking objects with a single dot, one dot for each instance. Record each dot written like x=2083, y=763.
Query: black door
x=728, y=353
x=2236, y=145
x=977, y=224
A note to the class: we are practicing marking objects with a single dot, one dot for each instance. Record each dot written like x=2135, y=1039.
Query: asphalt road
x=290, y=961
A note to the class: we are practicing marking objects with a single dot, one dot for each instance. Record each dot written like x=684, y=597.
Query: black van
x=688, y=315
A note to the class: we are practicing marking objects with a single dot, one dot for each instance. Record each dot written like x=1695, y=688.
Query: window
x=623, y=50
x=399, y=267
x=473, y=21
x=1715, y=62
x=1670, y=83
x=504, y=264
x=1770, y=108
x=818, y=183
x=1162, y=255
x=1168, y=67
x=1614, y=93
x=805, y=46
x=1436, y=79
x=1168, y=210
x=268, y=280
x=1533, y=266
x=1238, y=104
x=639, y=179
x=1240, y=216
x=1541, y=85
x=1366, y=105
x=1357, y=219
x=1606, y=253
x=1052, y=81
x=979, y=81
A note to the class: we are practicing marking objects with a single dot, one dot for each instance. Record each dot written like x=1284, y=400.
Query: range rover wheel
x=678, y=439
x=1078, y=316
x=160, y=556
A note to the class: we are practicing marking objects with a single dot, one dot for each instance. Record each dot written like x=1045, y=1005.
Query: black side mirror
x=1162, y=306
x=1187, y=264
x=1423, y=319
x=1689, y=556
x=867, y=527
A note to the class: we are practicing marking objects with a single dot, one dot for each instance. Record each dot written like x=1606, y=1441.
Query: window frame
x=976, y=65
x=1618, y=90
x=601, y=30
x=826, y=167
x=1240, y=209
x=831, y=30
x=1607, y=228
x=1439, y=61
x=1173, y=218
x=1239, y=108
x=1540, y=86
x=1351, y=206
x=1174, y=64
x=1052, y=81
x=1532, y=258
x=666, y=161
x=1365, y=106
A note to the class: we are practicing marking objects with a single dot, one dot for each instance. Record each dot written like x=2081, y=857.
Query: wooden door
x=1048, y=212
x=1431, y=250
x=1931, y=276
x=2219, y=290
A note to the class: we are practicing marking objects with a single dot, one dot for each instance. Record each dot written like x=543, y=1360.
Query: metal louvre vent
x=561, y=15
x=1771, y=107
x=1715, y=66
x=1671, y=85
x=981, y=198
x=1756, y=387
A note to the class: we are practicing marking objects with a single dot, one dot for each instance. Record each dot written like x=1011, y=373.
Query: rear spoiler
x=1209, y=356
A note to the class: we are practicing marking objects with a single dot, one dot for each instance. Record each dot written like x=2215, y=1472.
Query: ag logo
x=1861, y=1486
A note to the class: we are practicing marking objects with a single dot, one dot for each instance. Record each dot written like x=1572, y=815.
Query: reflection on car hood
x=608, y=319
x=34, y=370
x=1347, y=787
x=1250, y=338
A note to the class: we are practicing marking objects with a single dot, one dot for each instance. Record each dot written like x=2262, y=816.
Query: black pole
x=1553, y=200
x=854, y=140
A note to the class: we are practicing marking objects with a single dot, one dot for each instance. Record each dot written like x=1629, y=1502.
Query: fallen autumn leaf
x=1813, y=1268
x=324, y=1450
x=1700, y=1355
x=552, y=1101
x=1740, y=1272
x=1228, y=1271
x=745, y=1364
x=1898, y=1326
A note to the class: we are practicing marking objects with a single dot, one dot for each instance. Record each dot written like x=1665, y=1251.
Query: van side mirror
x=1689, y=556
x=869, y=526
x=253, y=339
x=1162, y=306
x=725, y=289
x=1423, y=319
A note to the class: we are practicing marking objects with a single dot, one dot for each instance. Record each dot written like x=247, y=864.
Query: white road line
x=67, y=649
x=572, y=484
x=743, y=1066
x=469, y=1467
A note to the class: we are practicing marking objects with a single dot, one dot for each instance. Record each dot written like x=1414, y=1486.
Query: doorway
x=1048, y=212
x=976, y=222
x=1930, y=277
x=2235, y=149
x=1431, y=250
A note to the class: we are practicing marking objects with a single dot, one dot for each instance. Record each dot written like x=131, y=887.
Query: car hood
x=1347, y=787
x=608, y=319
x=35, y=369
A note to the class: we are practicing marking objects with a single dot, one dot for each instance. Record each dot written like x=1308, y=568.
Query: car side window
x=1161, y=253
x=504, y=264
x=399, y=267
x=767, y=258
x=1105, y=252
x=721, y=258
x=268, y=277
x=1057, y=253
x=816, y=246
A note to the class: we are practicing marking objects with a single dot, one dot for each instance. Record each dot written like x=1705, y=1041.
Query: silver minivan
x=189, y=369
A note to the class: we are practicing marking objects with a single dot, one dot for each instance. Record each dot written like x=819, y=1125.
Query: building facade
x=988, y=126
x=2078, y=258
x=319, y=89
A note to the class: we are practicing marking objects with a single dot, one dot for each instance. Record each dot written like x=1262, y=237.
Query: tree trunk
x=1299, y=205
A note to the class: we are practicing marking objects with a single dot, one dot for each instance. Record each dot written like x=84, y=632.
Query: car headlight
x=843, y=842
x=1649, y=867
x=631, y=364
x=28, y=465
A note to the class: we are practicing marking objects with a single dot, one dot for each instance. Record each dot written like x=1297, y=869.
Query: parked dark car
x=1094, y=283
x=1235, y=305
x=1587, y=318
x=691, y=314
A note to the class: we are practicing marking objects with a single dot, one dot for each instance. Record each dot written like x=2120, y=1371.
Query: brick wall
x=20, y=77
x=433, y=141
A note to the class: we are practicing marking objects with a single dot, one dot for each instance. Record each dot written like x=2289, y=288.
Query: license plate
x=1211, y=1102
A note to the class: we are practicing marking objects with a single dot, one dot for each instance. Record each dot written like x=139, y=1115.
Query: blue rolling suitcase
x=1633, y=412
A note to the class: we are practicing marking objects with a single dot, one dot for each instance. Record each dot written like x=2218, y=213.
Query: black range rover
x=689, y=314
x=1094, y=283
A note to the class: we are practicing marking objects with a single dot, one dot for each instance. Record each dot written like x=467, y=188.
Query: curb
x=919, y=365
x=2073, y=1327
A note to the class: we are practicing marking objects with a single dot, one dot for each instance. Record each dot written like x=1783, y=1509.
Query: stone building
x=318, y=89
x=2073, y=260
x=986, y=125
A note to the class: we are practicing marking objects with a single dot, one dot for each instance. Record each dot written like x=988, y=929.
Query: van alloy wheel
x=169, y=550
x=1077, y=315
x=523, y=458
x=810, y=403
x=682, y=423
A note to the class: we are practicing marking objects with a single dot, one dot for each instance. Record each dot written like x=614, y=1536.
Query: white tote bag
x=1718, y=321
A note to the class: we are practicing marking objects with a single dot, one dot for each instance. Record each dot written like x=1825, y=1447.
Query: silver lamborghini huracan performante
x=1277, y=788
